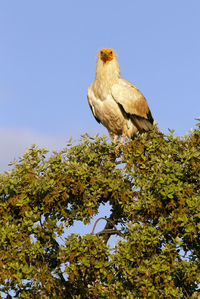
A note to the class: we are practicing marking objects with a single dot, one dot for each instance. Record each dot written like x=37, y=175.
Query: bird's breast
x=109, y=113
x=102, y=92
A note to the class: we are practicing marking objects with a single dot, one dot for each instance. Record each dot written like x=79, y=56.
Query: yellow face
x=106, y=55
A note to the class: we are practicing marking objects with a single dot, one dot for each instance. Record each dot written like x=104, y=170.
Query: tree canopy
x=153, y=188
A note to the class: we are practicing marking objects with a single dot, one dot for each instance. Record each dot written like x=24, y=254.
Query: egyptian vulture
x=115, y=102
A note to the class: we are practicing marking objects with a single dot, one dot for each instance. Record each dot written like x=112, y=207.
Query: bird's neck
x=108, y=72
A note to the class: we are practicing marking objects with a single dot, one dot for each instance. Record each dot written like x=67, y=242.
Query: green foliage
x=153, y=188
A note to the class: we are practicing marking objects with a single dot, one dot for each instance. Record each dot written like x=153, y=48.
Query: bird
x=115, y=102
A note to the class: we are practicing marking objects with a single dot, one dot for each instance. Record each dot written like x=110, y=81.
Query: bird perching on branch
x=115, y=102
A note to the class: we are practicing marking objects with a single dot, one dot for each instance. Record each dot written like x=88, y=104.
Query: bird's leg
x=120, y=143
x=114, y=138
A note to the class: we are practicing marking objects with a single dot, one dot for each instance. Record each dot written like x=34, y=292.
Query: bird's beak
x=105, y=56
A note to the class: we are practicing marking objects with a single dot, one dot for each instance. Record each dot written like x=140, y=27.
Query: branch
x=108, y=230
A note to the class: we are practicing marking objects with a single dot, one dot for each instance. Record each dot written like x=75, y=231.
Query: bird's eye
x=111, y=52
x=101, y=52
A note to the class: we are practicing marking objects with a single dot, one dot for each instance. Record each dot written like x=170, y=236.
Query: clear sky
x=47, y=61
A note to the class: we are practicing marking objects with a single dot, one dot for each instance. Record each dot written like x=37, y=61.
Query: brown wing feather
x=133, y=104
x=142, y=124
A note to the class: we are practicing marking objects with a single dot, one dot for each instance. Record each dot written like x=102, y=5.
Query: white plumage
x=115, y=102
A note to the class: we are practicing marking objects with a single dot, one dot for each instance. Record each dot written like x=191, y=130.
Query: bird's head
x=106, y=55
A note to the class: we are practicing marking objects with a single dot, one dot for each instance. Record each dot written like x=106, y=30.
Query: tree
x=153, y=188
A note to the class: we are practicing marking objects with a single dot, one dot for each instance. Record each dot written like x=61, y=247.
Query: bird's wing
x=91, y=102
x=132, y=104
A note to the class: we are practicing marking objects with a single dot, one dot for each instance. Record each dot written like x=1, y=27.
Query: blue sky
x=47, y=62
